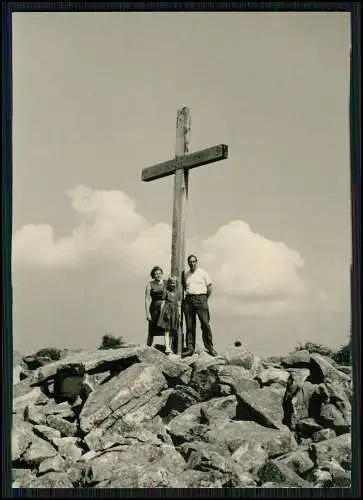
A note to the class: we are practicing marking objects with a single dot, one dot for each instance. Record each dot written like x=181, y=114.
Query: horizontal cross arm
x=192, y=160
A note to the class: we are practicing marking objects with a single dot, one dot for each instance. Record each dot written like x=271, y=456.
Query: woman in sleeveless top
x=154, y=298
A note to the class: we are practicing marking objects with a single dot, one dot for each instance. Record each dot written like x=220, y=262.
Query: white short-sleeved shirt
x=196, y=283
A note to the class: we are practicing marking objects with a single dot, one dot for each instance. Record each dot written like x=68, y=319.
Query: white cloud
x=252, y=274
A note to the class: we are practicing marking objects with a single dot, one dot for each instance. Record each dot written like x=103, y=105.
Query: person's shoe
x=212, y=352
x=188, y=352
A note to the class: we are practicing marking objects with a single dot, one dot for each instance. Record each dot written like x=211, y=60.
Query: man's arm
x=208, y=282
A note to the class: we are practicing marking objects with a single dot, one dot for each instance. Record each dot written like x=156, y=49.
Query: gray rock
x=236, y=377
x=323, y=435
x=38, y=451
x=190, y=478
x=113, y=359
x=345, y=369
x=192, y=423
x=148, y=411
x=297, y=402
x=262, y=405
x=298, y=359
x=331, y=417
x=278, y=388
x=180, y=398
x=109, y=439
x=47, y=433
x=27, y=399
x=175, y=370
x=52, y=480
x=278, y=472
x=307, y=427
x=339, y=448
x=299, y=461
x=239, y=356
x=68, y=449
x=234, y=434
x=209, y=460
x=128, y=387
x=34, y=415
x=298, y=376
x=223, y=390
x=326, y=369
x=340, y=477
x=21, y=438
x=187, y=448
x=21, y=478
x=63, y=426
x=218, y=410
x=251, y=457
x=204, y=378
x=52, y=464
x=17, y=371
x=273, y=376
x=62, y=410
x=321, y=478
x=273, y=484
x=186, y=426
x=124, y=464
x=157, y=428
x=78, y=474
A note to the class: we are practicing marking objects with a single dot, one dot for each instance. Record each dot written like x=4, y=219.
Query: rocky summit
x=132, y=417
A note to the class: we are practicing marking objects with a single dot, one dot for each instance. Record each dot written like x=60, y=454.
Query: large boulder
x=52, y=464
x=121, y=394
x=204, y=378
x=22, y=478
x=231, y=435
x=193, y=422
x=299, y=461
x=278, y=472
x=123, y=466
x=338, y=448
x=21, y=438
x=240, y=356
x=114, y=360
x=52, y=480
x=298, y=359
x=262, y=405
x=179, y=399
x=38, y=451
x=271, y=376
x=250, y=456
x=210, y=460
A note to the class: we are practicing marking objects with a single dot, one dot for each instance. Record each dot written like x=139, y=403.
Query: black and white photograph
x=181, y=250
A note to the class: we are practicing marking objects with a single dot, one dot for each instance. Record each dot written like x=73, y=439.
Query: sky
x=95, y=97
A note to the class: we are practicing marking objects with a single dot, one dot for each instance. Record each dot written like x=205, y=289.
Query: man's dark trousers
x=193, y=306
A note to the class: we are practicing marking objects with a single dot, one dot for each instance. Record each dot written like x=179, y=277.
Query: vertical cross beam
x=180, y=203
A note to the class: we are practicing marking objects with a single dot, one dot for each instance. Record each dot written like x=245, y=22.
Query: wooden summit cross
x=179, y=167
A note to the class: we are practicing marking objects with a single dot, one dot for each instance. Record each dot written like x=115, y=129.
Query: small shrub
x=312, y=347
x=111, y=342
x=49, y=352
x=344, y=355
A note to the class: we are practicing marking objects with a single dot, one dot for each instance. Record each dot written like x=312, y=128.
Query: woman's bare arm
x=147, y=301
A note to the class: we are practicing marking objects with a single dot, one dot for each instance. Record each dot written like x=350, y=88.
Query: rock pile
x=132, y=417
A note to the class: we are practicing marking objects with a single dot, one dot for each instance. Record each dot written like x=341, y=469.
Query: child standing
x=170, y=314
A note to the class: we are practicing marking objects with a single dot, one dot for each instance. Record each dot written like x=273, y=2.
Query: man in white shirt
x=197, y=287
